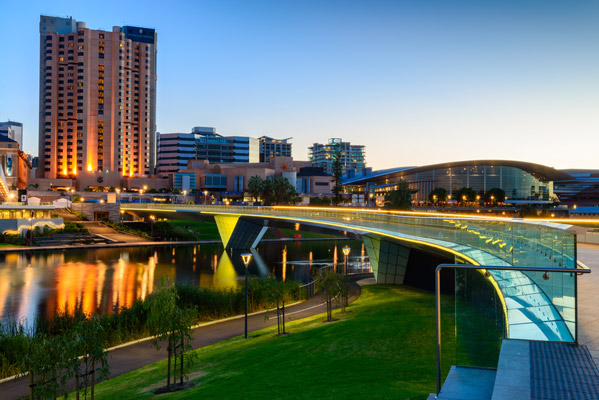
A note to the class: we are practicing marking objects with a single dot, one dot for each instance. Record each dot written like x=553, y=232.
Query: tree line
x=272, y=191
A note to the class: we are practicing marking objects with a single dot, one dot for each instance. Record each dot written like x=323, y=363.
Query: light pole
x=205, y=197
x=346, y=251
x=10, y=197
x=152, y=218
x=246, y=257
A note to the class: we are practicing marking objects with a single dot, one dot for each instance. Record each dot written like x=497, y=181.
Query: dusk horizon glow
x=416, y=83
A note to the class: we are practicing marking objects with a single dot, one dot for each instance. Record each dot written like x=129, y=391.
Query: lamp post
x=10, y=197
x=246, y=257
x=152, y=218
x=205, y=197
x=346, y=251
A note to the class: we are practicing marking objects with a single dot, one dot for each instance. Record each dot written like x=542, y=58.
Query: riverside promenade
x=129, y=357
x=588, y=300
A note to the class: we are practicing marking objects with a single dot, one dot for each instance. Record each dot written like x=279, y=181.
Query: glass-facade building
x=519, y=181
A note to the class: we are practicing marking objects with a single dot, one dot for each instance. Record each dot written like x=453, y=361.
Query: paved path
x=135, y=356
x=588, y=300
x=106, y=232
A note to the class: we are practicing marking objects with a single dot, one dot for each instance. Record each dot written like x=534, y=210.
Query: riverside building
x=353, y=159
x=97, y=108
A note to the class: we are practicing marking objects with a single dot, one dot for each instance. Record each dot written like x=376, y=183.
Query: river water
x=98, y=280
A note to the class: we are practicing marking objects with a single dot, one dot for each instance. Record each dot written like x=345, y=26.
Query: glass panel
x=479, y=319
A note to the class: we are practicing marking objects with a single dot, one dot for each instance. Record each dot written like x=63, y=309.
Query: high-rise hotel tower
x=97, y=120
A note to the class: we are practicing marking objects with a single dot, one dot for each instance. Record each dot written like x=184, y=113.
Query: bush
x=320, y=201
x=131, y=323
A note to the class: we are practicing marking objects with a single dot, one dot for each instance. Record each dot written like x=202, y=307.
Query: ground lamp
x=246, y=257
x=152, y=218
x=346, y=251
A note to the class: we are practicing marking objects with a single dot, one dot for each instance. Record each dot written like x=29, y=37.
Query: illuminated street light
x=246, y=257
x=346, y=251
x=152, y=218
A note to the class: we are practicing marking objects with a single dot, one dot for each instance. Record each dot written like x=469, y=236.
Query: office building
x=97, y=116
x=203, y=143
x=13, y=130
x=353, y=159
x=270, y=147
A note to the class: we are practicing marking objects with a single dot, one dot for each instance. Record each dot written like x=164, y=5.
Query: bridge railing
x=516, y=242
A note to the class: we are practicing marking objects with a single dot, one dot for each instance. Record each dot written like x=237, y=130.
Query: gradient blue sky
x=417, y=82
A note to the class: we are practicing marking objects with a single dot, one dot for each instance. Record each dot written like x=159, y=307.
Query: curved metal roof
x=541, y=172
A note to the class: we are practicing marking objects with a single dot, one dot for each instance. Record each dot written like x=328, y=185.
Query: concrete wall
x=90, y=210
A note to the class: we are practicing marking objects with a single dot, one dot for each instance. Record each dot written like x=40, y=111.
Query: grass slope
x=384, y=348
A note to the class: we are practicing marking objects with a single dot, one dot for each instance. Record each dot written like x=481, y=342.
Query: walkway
x=106, y=232
x=588, y=300
x=129, y=358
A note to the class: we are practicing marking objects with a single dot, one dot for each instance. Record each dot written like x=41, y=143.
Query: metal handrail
x=486, y=267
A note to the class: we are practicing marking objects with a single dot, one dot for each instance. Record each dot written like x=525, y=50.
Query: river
x=36, y=284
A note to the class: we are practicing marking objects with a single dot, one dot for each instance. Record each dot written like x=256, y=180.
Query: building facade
x=519, y=180
x=13, y=130
x=175, y=150
x=97, y=117
x=230, y=180
x=270, y=147
x=14, y=164
x=353, y=158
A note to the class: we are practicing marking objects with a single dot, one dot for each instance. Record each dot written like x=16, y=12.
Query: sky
x=416, y=82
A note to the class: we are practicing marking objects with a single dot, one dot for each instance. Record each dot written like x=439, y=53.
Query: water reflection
x=101, y=280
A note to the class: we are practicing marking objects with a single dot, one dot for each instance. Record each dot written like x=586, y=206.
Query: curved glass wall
x=517, y=183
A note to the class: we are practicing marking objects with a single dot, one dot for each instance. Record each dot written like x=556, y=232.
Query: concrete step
x=465, y=383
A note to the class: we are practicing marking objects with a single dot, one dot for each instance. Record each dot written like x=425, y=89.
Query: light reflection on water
x=42, y=283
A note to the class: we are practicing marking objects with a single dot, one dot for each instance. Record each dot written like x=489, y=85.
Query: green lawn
x=9, y=245
x=384, y=348
x=203, y=230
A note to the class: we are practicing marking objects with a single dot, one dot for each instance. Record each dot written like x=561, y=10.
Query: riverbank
x=382, y=348
x=25, y=249
x=134, y=355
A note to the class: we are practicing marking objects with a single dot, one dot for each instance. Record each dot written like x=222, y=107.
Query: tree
x=466, y=194
x=276, y=190
x=44, y=360
x=437, y=194
x=283, y=191
x=495, y=195
x=255, y=187
x=328, y=284
x=88, y=340
x=337, y=169
x=400, y=198
x=168, y=322
x=278, y=293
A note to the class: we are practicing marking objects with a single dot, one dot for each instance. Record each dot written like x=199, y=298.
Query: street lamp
x=346, y=251
x=205, y=197
x=246, y=257
x=10, y=197
x=152, y=218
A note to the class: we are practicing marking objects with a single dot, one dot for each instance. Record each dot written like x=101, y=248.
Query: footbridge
x=537, y=305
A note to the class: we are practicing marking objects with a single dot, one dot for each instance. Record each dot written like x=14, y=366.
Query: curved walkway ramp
x=534, y=307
